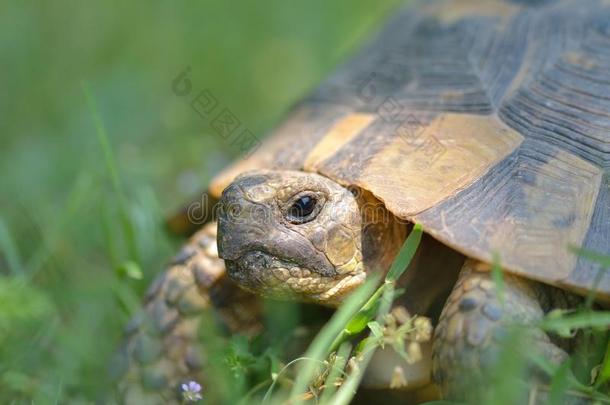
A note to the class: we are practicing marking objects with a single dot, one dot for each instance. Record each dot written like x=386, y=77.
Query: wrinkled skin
x=273, y=248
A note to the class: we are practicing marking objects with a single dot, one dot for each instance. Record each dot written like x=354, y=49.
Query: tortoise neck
x=382, y=233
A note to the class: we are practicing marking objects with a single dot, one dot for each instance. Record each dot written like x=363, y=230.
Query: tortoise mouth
x=265, y=274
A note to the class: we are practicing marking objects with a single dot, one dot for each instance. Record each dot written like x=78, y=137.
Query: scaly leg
x=161, y=350
x=467, y=340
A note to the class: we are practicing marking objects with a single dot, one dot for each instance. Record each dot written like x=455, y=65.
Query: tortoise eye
x=301, y=210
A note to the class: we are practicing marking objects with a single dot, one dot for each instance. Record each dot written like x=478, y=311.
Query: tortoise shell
x=487, y=122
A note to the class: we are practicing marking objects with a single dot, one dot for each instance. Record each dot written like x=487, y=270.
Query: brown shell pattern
x=486, y=121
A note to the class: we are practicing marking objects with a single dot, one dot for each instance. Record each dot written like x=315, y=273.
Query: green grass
x=96, y=150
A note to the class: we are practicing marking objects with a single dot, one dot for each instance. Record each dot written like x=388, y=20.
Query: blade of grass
x=9, y=249
x=319, y=348
x=600, y=258
x=603, y=261
x=329, y=384
x=579, y=320
x=573, y=386
x=51, y=234
x=604, y=370
x=276, y=378
x=405, y=255
x=506, y=385
x=113, y=173
x=348, y=389
x=359, y=321
x=102, y=137
x=58, y=393
x=559, y=383
x=498, y=277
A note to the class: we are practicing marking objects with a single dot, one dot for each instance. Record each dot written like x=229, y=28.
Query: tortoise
x=487, y=122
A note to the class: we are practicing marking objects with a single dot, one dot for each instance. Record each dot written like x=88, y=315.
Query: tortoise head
x=290, y=234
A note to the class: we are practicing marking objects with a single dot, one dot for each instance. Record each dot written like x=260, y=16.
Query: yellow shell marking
x=340, y=134
x=417, y=172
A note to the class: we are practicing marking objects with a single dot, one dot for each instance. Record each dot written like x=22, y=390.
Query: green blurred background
x=73, y=241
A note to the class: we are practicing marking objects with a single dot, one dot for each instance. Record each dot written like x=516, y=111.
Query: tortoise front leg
x=468, y=339
x=161, y=350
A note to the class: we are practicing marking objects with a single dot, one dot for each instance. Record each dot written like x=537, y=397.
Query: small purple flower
x=191, y=391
